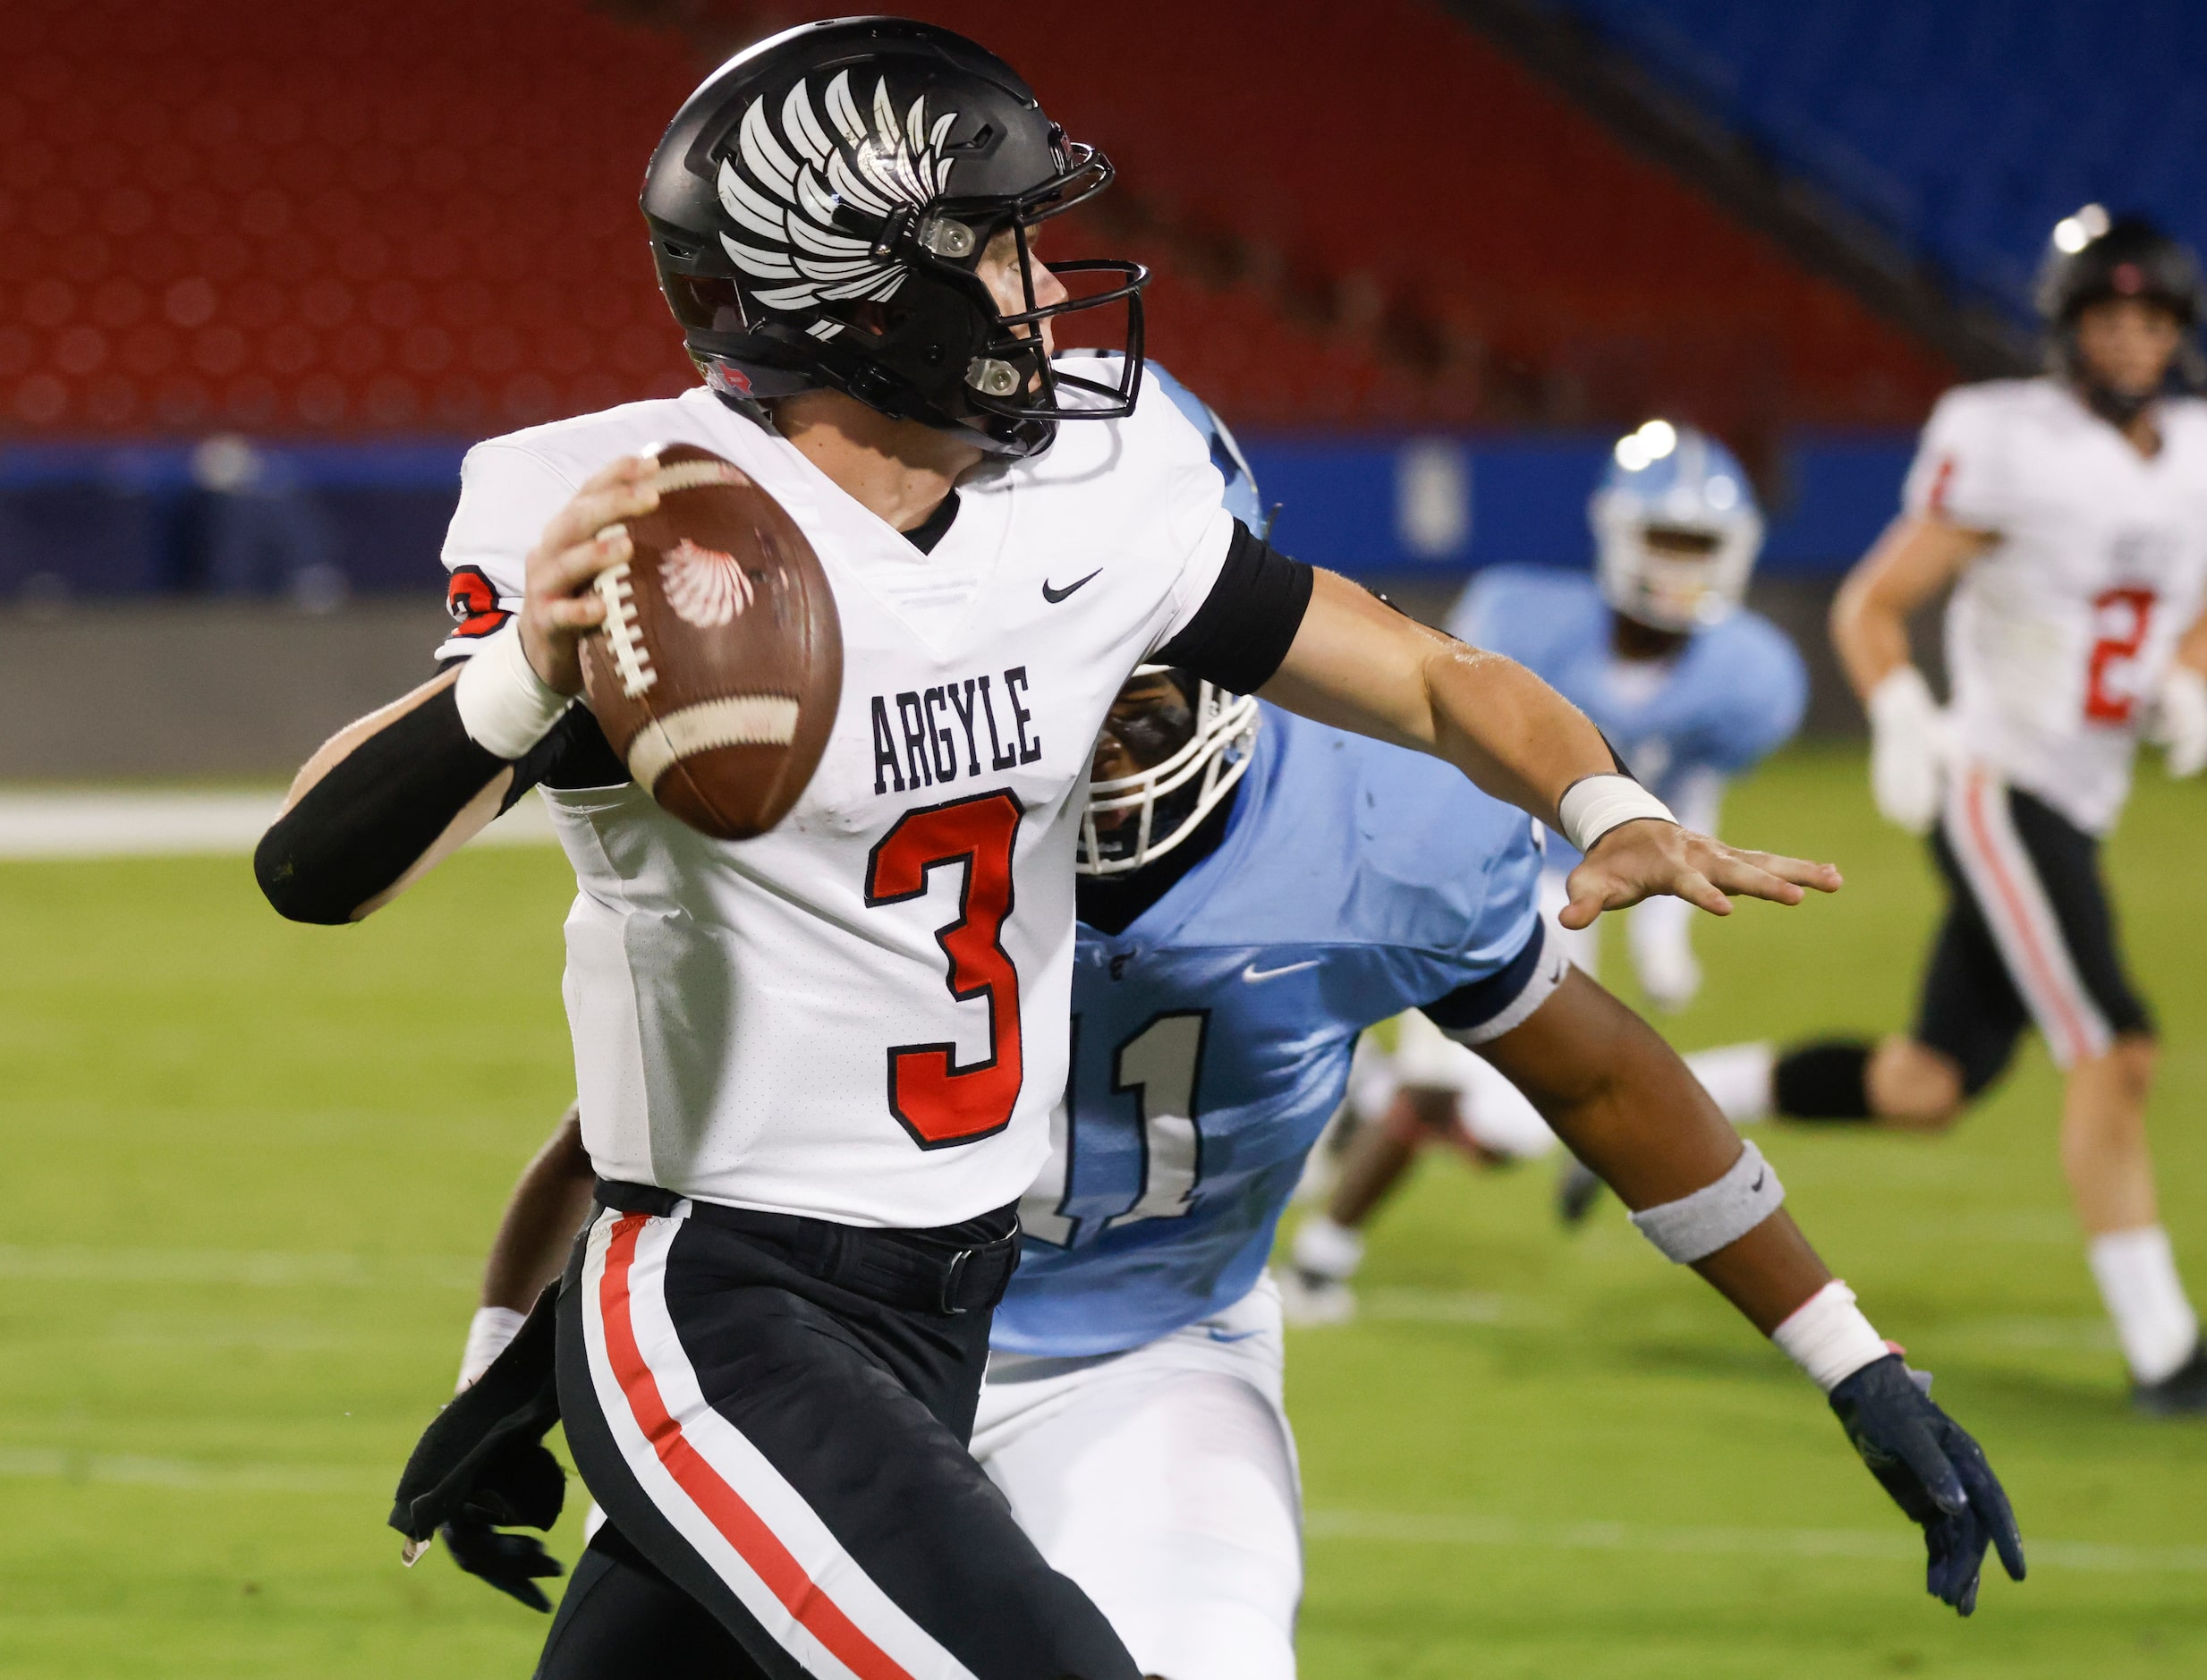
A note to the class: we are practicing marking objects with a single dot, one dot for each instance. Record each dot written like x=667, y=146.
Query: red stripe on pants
x=2011, y=898
x=727, y=1510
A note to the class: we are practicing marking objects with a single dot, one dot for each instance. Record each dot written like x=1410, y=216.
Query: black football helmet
x=819, y=209
x=2094, y=257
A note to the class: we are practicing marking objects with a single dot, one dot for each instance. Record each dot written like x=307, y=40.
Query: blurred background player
x=1690, y=688
x=1242, y=920
x=2068, y=514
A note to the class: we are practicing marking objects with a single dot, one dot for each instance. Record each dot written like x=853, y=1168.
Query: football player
x=2068, y=514
x=815, y=1068
x=1692, y=687
x=1255, y=889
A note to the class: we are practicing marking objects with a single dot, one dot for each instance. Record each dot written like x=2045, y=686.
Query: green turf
x=248, y=1163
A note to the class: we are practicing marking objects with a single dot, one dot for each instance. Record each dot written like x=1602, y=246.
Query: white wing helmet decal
x=785, y=196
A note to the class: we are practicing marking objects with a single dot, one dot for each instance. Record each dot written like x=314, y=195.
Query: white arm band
x=1695, y=1226
x=1828, y=1337
x=505, y=706
x=1594, y=804
x=489, y=1332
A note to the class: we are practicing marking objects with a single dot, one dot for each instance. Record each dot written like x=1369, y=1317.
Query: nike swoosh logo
x=1253, y=973
x=1055, y=596
x=1760, y=1176
x=1218, y=1334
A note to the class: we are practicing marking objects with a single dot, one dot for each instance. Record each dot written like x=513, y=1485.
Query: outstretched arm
x=1627, y=1106
x=1357, y=663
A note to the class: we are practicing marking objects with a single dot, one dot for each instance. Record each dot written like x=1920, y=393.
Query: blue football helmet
x=1206, y=742
x=1677, y=529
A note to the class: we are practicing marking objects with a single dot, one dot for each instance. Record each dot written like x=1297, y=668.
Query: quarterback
x=1693, y=689
x=816, y=1069
x=2069, y=515
x=1255, y=889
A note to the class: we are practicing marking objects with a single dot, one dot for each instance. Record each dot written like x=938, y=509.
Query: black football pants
x=774, y=1413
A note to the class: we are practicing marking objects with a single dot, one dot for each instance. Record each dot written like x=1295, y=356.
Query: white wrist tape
x=489, y=1332
x=1594, y=804
x=505, y=706
x=1695, y=1226
x=1828, y=1337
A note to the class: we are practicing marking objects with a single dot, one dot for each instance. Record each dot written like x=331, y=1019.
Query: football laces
x=694, y=475
x=632, y=659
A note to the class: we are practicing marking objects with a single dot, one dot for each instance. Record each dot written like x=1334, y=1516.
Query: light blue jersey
x=1212, y=1038
x=1731, y=696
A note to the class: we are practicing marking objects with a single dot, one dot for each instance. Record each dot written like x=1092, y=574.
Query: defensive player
x=1256, y=888
x=2069, y=515
x=815, y=1068
x=1692, y=687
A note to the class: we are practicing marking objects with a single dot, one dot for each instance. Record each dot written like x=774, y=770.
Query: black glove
x=512, y=1563
x=482, y=1465
x=1935, y=1472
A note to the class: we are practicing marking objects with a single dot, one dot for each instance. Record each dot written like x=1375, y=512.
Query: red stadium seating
x=419, y=217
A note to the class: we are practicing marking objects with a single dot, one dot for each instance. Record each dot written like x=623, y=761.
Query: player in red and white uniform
x=817, y=1067
x=2069, y=515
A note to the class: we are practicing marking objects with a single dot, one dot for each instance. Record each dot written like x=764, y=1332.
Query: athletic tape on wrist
x=505, y=706
x=1695, y=1226
x=489, y=1332
x=1594, y=804
x=1828, y=1337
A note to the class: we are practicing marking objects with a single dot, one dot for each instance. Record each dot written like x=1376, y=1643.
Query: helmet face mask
x=820, y=213
x=1677, y=530
x=1192, y=740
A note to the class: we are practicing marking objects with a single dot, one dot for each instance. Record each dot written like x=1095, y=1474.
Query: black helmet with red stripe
x=819, y=209
x=2093, y=257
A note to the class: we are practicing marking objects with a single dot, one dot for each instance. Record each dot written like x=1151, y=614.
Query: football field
x=251, y=1167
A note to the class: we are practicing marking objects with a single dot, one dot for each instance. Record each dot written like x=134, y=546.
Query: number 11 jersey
x=2057, y=638
x=862, y=1016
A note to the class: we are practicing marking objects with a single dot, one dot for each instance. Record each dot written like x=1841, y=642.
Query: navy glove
x=1935, y=1472
x=482, y=1465
x=519, y=1482
x=512, y=1563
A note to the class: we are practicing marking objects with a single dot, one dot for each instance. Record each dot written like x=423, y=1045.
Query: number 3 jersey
x=2058, y=636
x=1212, y=1038
x=862, y=1016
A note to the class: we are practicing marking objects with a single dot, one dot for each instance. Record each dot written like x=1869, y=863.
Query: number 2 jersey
x=2058, y=636
x=862, y=1016
x=1212, y=1038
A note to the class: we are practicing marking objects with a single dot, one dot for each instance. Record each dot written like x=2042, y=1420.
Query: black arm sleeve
x=1244, y=629
x=367, y=822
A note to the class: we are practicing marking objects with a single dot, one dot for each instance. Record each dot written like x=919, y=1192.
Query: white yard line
x=49, y=1464
x=1897, y=1545
x=265, y=1268
x=40, y=825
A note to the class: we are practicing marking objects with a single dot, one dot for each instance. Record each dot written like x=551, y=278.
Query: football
x=716, y=674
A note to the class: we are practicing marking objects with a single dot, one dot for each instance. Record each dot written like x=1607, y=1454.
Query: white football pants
x=1163, y=1481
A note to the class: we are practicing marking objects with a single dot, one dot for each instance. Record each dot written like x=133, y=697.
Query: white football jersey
x=2057, y=638
x=863, y=1015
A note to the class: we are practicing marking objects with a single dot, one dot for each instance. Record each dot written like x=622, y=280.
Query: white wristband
x=489, y=1332
x=1594, y=804
x=505, y=706
x=1828, y=1337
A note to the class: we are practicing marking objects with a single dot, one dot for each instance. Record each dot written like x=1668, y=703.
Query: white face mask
x=1216, y=756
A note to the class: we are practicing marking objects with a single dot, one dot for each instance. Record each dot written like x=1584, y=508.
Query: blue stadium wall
x=100, y=521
